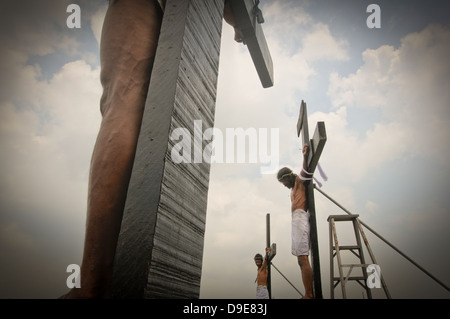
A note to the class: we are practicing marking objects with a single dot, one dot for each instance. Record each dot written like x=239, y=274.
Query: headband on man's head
x=288, y=174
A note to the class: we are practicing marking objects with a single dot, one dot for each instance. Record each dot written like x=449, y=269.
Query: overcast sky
x=383, y=95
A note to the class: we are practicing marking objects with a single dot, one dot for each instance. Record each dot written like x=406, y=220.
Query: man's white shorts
x=262, y=292
x=300, y=233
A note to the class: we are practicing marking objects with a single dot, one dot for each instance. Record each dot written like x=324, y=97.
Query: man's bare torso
x=298, y=195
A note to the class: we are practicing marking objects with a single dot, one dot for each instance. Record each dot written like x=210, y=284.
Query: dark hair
x=286, y=177
x=258, y=256
x=283, y=171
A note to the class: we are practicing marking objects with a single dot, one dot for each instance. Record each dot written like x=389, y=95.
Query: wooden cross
x=316, y=145
x=272, y=253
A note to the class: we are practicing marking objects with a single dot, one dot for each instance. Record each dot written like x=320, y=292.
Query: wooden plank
x=304, y=129
x=254, y=38
x=269, y=276
x=315, y=260
x=317, y=144
x=301, y=118
x=273, y=252
x=160, y=248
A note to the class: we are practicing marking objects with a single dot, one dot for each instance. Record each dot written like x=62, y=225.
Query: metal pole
x=388, y=243
x=287, y=279
x=269, y=284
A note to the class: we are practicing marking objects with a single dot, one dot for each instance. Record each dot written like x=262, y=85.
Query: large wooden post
x=316, y=145
x=160, y=248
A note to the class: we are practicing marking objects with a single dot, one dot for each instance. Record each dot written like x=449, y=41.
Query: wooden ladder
x=357, y=250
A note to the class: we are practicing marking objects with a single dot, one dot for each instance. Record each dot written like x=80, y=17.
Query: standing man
x=261, y=279
x=127, y=50
x=300, y=219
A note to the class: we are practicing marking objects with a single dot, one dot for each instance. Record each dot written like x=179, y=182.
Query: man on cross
x=261, y=279
x=300, y=219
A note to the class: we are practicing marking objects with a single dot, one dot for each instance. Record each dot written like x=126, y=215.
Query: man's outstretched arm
x=264, y=265
x=304, y=174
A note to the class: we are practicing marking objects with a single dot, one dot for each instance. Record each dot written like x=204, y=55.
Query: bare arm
x=304, y=174
x=264, y=265
x=263, y=271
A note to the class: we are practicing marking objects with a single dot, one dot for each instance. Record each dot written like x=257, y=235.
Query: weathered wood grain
x=316, y=146
x=160, y=249
x=244, y=13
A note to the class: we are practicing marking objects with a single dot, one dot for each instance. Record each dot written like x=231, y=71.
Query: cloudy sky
x=383, y=95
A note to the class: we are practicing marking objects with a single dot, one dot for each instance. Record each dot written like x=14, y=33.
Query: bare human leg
x=129, y=40
x=307, y=276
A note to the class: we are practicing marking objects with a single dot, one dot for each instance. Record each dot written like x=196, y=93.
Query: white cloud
x=286, y=22
x=35, y=27
x=409, y=85
x=52, y=141
x=319, y=44
x=47, y=131
x=20, y=76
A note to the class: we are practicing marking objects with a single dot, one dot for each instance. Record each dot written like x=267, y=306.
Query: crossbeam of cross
x=248, y=19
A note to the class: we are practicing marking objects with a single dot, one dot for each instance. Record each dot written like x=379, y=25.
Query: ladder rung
x=347, y=247
x=338, y=218
x=349, y=278
x=355, y=265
